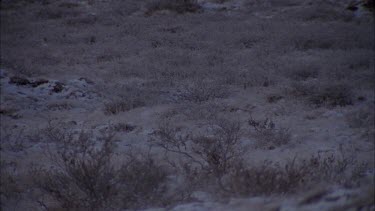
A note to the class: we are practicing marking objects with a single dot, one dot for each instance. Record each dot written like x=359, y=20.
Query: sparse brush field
x=187, y=105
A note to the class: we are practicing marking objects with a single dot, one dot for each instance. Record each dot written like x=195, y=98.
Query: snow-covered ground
x=113, y=66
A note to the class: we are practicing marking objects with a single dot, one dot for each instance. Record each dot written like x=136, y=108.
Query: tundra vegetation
x=187, y=104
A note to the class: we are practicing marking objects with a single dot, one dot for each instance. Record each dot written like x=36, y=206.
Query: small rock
x=19, y=81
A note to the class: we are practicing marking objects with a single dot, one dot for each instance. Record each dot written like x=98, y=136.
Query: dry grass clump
x=142, y=182
x=123, y=127
x=125, y=103
x=200, y=91
x=59, y=106
x=267, y=135
x=273, y=178
x=332, y=95
x=179, y=6
x=116, y=107
x=123, y=98
x=324, y=94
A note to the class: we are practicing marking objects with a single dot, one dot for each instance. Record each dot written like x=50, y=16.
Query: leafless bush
x=267, y=135
x=219, y=158
x=179, y=6
x=83, y=175
x=215, y=154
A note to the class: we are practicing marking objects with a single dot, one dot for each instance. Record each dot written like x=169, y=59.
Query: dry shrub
x=179, y=6
x=295, y=175
x=324, y=94
x=129, y=96
x=267, y=135
x=332, y=95
x=201, y=161
x=142, y=182
x=116, y=107
x=215, y=163
x=83, y=175
x=214, y=153
x=274, y=98
x=200, y=91
x=123, y=127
